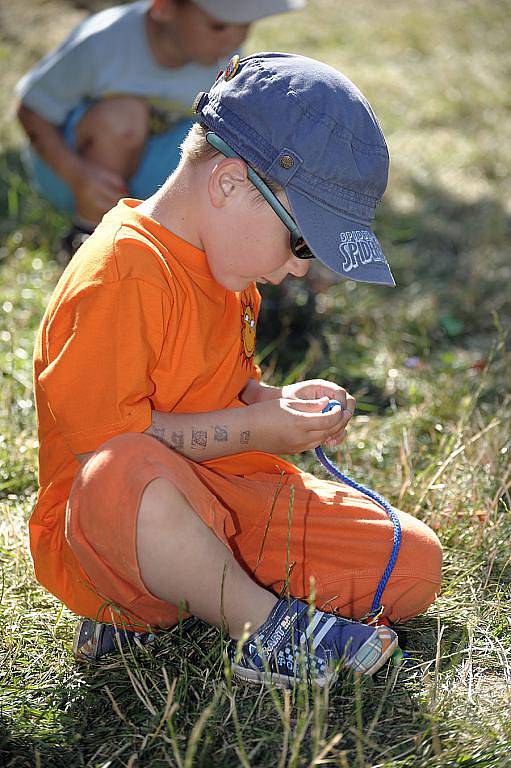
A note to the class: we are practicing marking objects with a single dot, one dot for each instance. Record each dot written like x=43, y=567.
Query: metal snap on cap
x=198, y=101
x=286, y=161
x=285, y=166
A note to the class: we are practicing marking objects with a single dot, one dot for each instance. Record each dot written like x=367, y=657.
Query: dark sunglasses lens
x=300, y=248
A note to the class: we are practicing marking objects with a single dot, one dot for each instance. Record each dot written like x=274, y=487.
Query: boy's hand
x=288, y=425
x=316, y=388
x=96, y=190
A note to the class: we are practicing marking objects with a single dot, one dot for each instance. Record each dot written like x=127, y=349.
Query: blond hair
x=194, y=146
x=196, y=149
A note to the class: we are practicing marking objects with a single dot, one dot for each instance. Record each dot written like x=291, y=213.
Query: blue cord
x=376, y=606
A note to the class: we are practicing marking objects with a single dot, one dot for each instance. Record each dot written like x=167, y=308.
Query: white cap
x=245, y=11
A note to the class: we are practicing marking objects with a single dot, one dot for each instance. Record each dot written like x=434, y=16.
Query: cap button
x=232, y=67
x=198, y=102
x=286, y=161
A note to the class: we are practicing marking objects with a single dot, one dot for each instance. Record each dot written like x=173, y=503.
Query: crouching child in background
x=107, y=110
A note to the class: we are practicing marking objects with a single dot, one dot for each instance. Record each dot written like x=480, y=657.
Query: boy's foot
x=71, y=242
x=294, y=644
x=93, y=640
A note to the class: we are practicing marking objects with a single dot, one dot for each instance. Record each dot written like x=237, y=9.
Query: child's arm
x=94, y=188
x=49, y=144
x=257, y=392
x=278, y=425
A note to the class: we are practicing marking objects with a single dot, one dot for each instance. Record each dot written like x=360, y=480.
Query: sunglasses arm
x=220, y=145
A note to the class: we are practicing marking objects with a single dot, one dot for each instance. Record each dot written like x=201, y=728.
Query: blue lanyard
x=376, y=607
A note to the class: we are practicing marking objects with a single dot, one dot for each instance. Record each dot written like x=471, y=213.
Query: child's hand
x=288, y=425
x=96, y=190
x=316, y=388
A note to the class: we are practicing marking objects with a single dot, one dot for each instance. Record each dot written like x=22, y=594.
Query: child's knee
x=123, y=119
x=160, y=508
x=114, y=467
x=423, y=550
x=117, y=449
x=109, y=488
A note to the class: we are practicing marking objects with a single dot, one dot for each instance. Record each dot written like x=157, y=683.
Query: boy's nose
x=238, y=35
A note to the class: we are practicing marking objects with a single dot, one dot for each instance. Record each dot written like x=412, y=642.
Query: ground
x=430, y=364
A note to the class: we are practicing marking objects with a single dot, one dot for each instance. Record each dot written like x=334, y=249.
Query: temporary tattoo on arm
x=199, y=438
x=177, y=440
x=245, y=437
x=158, y=433
x=221, y=435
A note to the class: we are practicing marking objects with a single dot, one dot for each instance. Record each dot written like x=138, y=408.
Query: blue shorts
x=160, y=158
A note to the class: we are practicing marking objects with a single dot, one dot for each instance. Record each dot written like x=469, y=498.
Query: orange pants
x=329, y=533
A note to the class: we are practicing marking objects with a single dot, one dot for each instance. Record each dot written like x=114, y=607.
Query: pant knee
x=426, y=552
x=418, y=572
x=109, y=472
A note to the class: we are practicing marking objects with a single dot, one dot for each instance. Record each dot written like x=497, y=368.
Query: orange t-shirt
x=136, y=323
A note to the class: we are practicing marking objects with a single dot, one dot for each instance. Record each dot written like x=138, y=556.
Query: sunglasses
x=298, y=245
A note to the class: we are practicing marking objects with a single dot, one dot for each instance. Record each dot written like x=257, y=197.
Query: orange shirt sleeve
x=101, y=348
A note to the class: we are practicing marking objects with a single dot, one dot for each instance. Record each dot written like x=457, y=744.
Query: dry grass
x=431, y=367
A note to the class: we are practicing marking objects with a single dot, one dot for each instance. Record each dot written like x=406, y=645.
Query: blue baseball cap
x=306, y=127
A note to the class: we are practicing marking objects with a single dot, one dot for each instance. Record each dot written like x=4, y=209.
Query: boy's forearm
x=49, y=145
x=204, y=436
x=257, y=392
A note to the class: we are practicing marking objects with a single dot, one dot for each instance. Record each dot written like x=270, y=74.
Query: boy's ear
x=227, y=176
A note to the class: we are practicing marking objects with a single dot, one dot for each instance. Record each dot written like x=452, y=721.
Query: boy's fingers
x=110, y=177
x=347, y=401
x=111, y=190
x=351, y=404
x=315, y=439
x=326, y=423
x=346, y=417
x=316, y=406
x=106, y=199
x=329, y=439
x=336, y=439
x=348, y=410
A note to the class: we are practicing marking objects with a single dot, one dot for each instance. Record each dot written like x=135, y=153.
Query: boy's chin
x=231, y=283
x=239, y=285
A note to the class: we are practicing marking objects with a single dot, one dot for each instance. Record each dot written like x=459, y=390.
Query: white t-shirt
x=109, y=54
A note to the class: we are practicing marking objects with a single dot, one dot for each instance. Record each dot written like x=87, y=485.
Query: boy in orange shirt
x=161, y=482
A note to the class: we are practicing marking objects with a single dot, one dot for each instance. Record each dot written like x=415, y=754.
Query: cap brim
x=236, y=12
x=351, y=250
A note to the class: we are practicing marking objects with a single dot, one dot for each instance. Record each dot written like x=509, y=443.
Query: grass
x=430, y=364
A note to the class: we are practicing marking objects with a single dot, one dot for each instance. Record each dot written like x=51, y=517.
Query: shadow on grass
x=105, y=715
x=448, y=256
